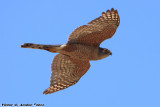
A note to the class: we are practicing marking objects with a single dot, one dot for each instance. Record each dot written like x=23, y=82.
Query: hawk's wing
x=96, y=31
x=65, y=72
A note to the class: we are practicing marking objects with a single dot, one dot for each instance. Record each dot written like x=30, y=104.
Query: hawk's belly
x=82, y=52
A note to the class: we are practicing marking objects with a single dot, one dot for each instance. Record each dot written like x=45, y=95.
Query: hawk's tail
x=51, y=48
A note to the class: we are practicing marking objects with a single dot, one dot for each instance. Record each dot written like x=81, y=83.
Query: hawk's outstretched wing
x=96, y=31
x=65, y=72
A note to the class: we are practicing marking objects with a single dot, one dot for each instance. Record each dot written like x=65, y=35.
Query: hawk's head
x=103, y=53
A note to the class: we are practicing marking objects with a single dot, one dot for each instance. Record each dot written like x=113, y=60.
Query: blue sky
x=128, y=78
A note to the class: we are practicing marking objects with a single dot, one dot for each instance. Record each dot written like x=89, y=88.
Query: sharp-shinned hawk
x=72, y=62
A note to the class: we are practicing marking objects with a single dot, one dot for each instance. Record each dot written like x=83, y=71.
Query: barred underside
x=65, y=72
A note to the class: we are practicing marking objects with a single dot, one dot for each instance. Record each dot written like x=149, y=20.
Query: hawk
x=83, y=43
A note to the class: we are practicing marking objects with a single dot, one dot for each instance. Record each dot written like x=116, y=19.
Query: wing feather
x=65, y=72
x=96, y=31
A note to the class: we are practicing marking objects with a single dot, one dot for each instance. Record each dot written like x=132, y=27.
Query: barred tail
x=51, y=48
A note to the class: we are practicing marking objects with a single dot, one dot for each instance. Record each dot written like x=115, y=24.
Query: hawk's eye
x=104, y=50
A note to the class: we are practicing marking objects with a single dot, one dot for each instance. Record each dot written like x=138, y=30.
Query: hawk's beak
x=110, y=53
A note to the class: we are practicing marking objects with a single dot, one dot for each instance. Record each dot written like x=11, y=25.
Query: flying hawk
x=72, y=62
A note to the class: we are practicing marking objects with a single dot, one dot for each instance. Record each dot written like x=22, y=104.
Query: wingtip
x=49, y=90
x=108, y=11
x=103, y=14
x=112, y=9
x=116, y=11
x=46, y=92
x=112, y=14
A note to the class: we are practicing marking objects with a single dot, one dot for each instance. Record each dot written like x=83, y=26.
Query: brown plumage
x=72, y=62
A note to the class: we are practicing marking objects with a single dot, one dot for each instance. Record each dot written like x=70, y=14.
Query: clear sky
x=128, y=78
